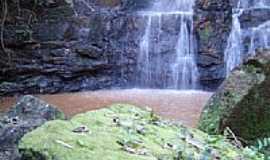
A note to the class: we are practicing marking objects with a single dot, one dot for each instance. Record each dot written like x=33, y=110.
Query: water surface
x=184, y=106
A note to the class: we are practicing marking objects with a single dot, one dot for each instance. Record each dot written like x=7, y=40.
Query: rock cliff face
x=213, y=20
x=66, y=46
x=242, y=102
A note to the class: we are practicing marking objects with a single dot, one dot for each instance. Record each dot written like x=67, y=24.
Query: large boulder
x=28, y=114
x=242, y=103
x=125, y=132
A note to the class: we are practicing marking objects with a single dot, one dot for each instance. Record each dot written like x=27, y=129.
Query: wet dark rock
x=214, y=5
x=242, y=102
x=212, y=20
x=87, y=7
x=28, y=114
x=254, y=17
x=62, y=52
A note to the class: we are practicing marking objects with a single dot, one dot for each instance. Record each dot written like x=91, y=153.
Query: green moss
x=250, y=118
x=205, y=34
x=209, y=121
x=242, y=103
x=221, y=104
x=128, y=133
x=60, y=115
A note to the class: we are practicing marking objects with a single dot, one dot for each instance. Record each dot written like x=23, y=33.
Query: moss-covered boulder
x=243, y=101
x=124, y=132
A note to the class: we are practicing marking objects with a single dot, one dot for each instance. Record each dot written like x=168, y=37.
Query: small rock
x=81, y=129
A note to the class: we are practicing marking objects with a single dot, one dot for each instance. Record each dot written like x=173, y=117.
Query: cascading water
x=174, y=68
x=259, y=36
x=185, y=69
x=233, y=52
x=144, y=54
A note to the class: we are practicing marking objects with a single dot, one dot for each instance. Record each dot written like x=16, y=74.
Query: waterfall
x=144, y=55
x=233, y=52
x=184, y=68
x=259, y=36
x=167, y=52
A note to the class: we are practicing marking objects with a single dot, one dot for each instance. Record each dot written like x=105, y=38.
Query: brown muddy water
x=183, y=106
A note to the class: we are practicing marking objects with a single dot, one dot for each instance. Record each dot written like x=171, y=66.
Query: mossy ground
x=124, y=132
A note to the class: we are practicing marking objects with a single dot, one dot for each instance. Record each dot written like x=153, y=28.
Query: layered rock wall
x=213, y=19
x=61, y=47
x=66, y=46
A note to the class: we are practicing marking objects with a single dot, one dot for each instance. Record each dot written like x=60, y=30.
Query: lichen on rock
x=125, y=132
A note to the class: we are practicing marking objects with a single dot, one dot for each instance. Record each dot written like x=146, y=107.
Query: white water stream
x=182, y=72
x=259, y=36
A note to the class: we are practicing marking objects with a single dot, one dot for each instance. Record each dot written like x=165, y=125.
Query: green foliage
x=262, y=146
